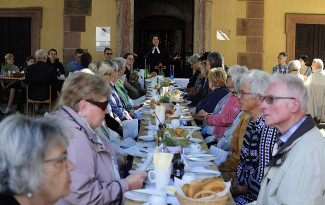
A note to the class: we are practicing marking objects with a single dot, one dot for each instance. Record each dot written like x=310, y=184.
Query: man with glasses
x=108, y=54
x=296, y=171
x=77, y=55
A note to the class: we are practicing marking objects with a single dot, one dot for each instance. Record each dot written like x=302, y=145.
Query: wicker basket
x=192, y=201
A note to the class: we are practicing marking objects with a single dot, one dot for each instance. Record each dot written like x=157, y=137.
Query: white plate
x=152, y=127
x=205, y=173
x=186, y=117
x=142, y=194
x=146, y=138
x=187, y=151
x=201, y=157
x=195, y=140
x=191, y=127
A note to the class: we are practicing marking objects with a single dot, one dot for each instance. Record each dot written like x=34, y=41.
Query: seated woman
x=227, y=108
x=134, y=81
x=196, y=99
x=52, y=60
x=128, y=68
x=195, y=65
x=111, y=119
x=96, y=178
x=217, y=83
x=108, y=69
x=8, y=85
x=305, y=70
x=258, y=141
x=34, y=168
x=85, y=60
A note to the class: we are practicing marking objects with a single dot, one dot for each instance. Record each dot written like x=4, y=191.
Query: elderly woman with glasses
x=33, y=161
x=258, y=141
x=228, y=107
x=109, y=70
x=96, y=178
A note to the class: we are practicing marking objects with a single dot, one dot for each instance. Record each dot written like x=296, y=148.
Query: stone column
x=124, y=26
x=202, y=26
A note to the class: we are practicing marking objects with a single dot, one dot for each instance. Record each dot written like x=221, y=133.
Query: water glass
x=172, y=72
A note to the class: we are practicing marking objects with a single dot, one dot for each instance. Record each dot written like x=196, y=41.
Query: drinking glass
x=172, y=72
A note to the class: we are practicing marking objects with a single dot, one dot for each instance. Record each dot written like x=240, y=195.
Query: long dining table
x=196, y=134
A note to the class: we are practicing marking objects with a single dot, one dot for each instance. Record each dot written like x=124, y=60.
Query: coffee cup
x=175, y=123
x=161, y=177
x=195, y=148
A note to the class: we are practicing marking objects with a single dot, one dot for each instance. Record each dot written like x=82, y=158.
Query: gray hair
x=40, y=54
x=82, y=86
x=194, y=58
x=295, y=87
x=295, y=64
x=216, y=59
x=236, y=71
x=24, y=142
x=258, y=82
x=120, y=62
x=319, y=62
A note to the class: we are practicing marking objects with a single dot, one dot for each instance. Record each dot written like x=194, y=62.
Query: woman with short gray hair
x=33, y=161
x=258, y=141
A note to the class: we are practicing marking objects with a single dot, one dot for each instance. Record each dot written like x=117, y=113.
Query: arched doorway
x=172, y=33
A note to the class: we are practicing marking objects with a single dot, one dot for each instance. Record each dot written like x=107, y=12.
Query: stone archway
x=125, y=26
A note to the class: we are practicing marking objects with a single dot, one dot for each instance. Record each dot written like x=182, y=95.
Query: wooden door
x=15, y=38
x=310, y=41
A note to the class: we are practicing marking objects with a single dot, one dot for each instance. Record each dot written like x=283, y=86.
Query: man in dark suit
x=39, y=76
x=158, y=55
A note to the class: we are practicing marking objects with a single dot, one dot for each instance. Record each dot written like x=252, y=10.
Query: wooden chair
x=48, y=101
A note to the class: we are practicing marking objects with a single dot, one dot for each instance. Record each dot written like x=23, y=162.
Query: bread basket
x=17, y=75
x=192, y=201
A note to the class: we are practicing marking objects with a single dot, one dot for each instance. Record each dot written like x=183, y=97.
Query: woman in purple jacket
x=96, y=178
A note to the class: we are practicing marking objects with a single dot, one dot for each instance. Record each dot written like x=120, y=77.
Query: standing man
x=77, y=55
x=315, y=85
x=39, y=76
x=108, y=54
x=282, y=67
x=296, y=171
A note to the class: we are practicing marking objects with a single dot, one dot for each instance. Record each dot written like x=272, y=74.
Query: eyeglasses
x=269, y=99
x=235, y=93
x=228, y=76
x=240, y=93
x=65, y=158
x=101, y=105
x=109, y=54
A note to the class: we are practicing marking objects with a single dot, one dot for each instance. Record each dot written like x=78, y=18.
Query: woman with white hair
x=195, y=65
x=34, y=168
x=258, y=141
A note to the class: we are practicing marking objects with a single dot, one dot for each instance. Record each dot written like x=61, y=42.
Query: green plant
x=165, y=99
x=5, y=67
x=163, y=84
x=170, y=141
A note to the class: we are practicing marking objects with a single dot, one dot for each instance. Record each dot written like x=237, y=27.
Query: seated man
x=77, y=55
x=295, y=174
x=39, y=76
x=258, y=140
x=282, y=67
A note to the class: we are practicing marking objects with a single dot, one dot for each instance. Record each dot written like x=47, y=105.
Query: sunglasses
x=101, y=105
x=269, y=99
x=109, y=54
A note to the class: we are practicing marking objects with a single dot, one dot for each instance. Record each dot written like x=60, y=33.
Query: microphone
x=150, y=51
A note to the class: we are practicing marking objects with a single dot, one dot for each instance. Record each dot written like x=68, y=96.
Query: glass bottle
x=178, y=166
